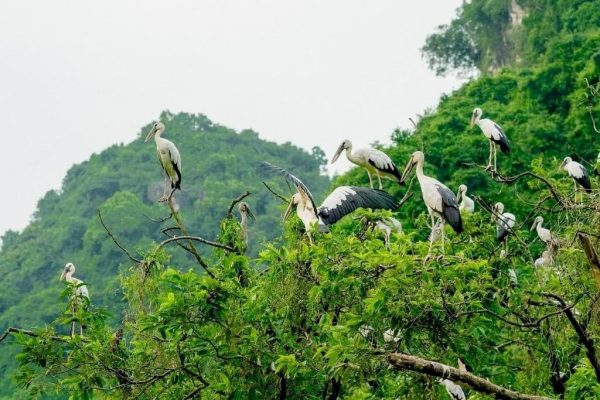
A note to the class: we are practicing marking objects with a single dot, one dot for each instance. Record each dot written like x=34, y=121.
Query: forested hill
x=546, y=99
x=344, y=317
x=124, y=182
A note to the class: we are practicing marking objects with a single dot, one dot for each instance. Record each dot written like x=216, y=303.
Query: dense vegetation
x=124, y=182
x=300, y=321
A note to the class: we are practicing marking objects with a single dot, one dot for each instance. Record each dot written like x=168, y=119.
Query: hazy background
x=76, y=77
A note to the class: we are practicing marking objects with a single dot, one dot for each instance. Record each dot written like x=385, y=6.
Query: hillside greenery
x=123, y=182
x=290, y=320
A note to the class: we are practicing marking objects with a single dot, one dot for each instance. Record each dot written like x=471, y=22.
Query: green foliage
x=287, y=319
x=218, y=165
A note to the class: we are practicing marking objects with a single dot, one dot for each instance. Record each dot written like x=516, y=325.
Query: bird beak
x=337, y=153
x=534, y=225
x=150, y=134
x=407, y=170
x=562, y=164
x=494, y=214
x=459, y=196
x=62, y=276
x=251, y=215
x=288, y=211
x=472, y=120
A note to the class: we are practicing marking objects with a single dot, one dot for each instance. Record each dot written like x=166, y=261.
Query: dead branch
x=235, y=201
x=27, y=332
x=132, y=258
x=592, y=256
x=584, y=338
x=192, y=249
x=280, y=197
x=511, y=179
x=196, y=239
x=404, y=361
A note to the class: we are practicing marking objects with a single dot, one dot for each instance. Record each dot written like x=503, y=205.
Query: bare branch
x=584, y=338
x=132, y=258
x=27, y=332
x=275, y=193
x=432, y=368
x=197, y=239
x=235, y=201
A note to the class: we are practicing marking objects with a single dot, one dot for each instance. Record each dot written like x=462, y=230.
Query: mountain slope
x=124, y=181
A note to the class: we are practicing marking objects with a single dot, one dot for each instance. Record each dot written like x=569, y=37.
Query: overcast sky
x=78, y=76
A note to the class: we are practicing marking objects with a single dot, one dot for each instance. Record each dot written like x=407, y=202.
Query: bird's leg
x=443, y=235
x=489, y=165
x=495, y=157
x=370, y=179
x=386, y=239
x=164, y=196
x=310, y=240
x=379, y=179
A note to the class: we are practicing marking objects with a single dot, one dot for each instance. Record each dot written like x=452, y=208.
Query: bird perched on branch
x=505, y=222
x=245, y=215
x=384, y=225
x=454, y=391
x=465, y=203
x=440, y=200
x=373, y=160
x=578, y=172
x=169, y=158
x=341, y=202
x=493, y=132
x=80, y=296
x=545, y=234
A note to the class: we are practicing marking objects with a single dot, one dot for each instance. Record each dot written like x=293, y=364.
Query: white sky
x=77, y=76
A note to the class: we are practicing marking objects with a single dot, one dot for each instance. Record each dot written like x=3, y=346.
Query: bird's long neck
x=69, y=277
x=244, y=220
x=349, y=154
x=157, y=136
x=419, y=170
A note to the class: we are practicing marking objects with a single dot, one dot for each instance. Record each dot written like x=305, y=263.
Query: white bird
x=342, y=201
x=365, y=331
x=390, y=336
x=169, y=158
x=245, y=214
x=493, y=132
x=385, y=226
x=373, y=160
x=454, y=391
x=80, y=295
x=545, y=260
x=466, y=203
x=504, y=223
x=440, y=200
x=544, y=234
x=578, y=172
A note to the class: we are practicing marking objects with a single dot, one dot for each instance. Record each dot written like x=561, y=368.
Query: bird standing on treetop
x=440, y=200
x=373, y=160
x=544, y=234
x=465, y=202
x=493, y=132
x=245, y=212
x=169, y=158
x=342, y=201
x=79, y=296
x=504, y=224
x=578, y=172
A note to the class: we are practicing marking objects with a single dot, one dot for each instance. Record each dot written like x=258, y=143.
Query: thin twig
x=132, y=258
x=197, y=239
x=275, y=193
x=27, y=332
x=235, y=201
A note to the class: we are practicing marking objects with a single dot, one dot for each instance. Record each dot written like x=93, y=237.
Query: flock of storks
x=443, y=206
